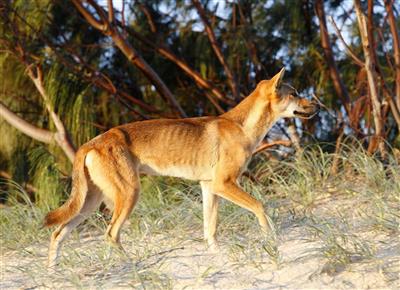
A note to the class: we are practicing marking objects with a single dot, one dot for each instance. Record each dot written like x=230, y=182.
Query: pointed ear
x=277, y=79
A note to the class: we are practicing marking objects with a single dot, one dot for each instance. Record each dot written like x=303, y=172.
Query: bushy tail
x=74, y=204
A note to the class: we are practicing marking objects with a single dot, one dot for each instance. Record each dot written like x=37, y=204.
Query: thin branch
x=28, y=186
x=36, y=75
x=111, y=18
x=148, y=71
x=218, y=52
x=182, y=64
x=99, y=10
x=350, y=52
x=393, y=107
x=37, y=78
x=336, y=160
x=131, y=54
x=123, y=13
x=323, y=106
x=101, y=79
x=384, y=49
x=165, y=52
x=294, y=136
x=150, y=20
x=329, y=58
x=98, y=78
x=61, y=136
x=214, y=102
x=251, y=46
x=89, y=17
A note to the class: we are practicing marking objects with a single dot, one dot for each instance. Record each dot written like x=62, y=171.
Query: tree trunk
x=328, y=54
x=372, y=80
x=396, y=47
x=370, y=27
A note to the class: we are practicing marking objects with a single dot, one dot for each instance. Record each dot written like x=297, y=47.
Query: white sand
x=188, y=265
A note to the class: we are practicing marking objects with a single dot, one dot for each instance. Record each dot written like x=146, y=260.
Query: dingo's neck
x=255, y=115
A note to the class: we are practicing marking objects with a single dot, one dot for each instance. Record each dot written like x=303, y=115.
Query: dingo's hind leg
x=114, y=171
x=123, y=206
x=93, y=200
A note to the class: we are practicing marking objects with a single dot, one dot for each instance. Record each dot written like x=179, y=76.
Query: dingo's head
x=285, y=102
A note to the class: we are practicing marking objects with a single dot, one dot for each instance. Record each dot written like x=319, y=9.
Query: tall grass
x=21, y=221
x=340, y=244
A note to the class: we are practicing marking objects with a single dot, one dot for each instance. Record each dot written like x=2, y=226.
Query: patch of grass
x=375, y=185
x=21, y=222
x=340, y=244
x=301, y=179
x=47, y=179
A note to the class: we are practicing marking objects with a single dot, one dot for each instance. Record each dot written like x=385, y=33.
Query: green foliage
x=46, y=178
x=300, y=178
x=339, y=247
x=36, y=14
x=24, y=218
x=73, y=101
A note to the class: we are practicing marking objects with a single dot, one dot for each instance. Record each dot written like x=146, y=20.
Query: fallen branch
x=37, y=133
x=265, y=145
x=25, y=127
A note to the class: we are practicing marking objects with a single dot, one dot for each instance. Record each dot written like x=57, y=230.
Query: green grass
x=340, y=245
x=21, y=222
x=340, y=213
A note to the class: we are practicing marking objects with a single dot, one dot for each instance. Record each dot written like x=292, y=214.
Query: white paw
x=213, y=247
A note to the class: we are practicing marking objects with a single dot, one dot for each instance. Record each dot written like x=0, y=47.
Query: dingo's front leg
x=210, y=214
x=232, y=192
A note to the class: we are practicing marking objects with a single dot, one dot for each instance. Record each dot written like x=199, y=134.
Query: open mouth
x=305, y=115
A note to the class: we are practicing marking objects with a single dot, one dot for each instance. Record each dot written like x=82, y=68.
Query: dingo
x=212, y=150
